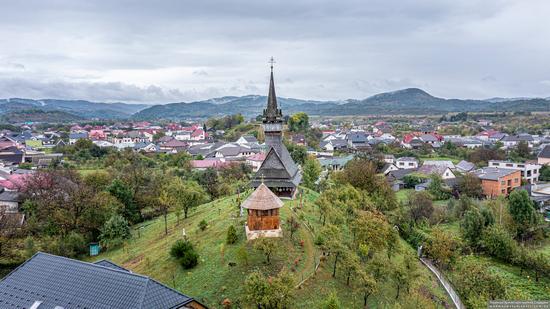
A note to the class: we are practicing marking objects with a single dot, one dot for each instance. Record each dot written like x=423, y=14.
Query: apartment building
x=498, y=181
x=529, y=172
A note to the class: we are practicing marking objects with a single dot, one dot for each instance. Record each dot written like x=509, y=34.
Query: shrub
x=185, y=253
x=477, y=284
x=498, y=243
x=231, y=235
x=114, y=231
x=203, y=225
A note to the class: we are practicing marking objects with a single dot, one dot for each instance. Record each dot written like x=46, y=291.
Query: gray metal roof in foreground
x=67, y=283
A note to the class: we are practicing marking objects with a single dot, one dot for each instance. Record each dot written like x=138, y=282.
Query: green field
x=213, y=279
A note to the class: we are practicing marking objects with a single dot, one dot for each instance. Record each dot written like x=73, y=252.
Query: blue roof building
x=48, y=281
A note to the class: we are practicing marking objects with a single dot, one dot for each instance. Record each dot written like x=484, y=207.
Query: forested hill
x=407, y=101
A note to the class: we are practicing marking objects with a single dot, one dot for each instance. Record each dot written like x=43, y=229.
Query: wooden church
x=278, y=171
x=263, y=214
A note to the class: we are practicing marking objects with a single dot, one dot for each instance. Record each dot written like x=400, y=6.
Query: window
x=509, y=164
x=516, y=180
x=503, y=191
x=411, y=164
x=503, y=182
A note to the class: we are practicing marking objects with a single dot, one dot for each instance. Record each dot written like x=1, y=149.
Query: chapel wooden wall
x=263, y=219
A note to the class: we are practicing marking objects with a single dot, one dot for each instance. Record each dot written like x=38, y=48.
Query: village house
x=440, y=170
x=543, y=157
x=255, y=161
x=444, y=163
x=465, y=166
x=334, y=145
x=529, y=172
x=75, y=136
x=357, y=139
x=299, y=139
x=247, y=140
x=50, y=281
x=498, y=181
x=511, y=141
x=334, y=164
x=406, y=163
x=389, y=158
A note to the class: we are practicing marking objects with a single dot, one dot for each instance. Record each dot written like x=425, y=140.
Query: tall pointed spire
x=272, y=113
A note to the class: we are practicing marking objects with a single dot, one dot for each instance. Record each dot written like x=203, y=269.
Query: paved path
x=446, y=285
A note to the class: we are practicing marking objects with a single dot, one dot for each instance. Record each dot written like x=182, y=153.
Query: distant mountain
x=250, y=106
x=410, y=101
x=79, y=108
x=37, y=115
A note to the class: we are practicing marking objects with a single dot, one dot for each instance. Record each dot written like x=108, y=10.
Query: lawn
x=213, y=279
x=403, y=195
x=440, y=158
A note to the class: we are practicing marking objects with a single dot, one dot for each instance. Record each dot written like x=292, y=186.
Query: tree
x=472, y=227
x=231, y=236
x=368, y=285
x=115, y=230
x=267, y=246
x=437, y=189
x=180, y=196
x=185, y=253
x=522, y=150
x=165, y=201
x=297, y=152
x=522, y=211
x=420, y=205
x=333, y=244
x=545, y=172
x=410, y=181
x=125, y=195
x=482, y=155
x=311, y=172
x=470, y=185
x=298, y=122
x=293, y=225
x=442, y=247
x=269, y=293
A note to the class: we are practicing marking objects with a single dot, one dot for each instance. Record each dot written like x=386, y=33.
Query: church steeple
x=272, y=114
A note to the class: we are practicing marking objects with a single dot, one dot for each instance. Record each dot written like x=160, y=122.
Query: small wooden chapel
x=263, y=214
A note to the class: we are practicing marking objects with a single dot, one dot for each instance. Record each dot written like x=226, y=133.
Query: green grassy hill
x=214, y=279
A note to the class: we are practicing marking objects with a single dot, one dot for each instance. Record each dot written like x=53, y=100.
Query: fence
x=443, y=281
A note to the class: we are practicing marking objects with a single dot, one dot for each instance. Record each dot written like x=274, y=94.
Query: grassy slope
x=213, y=280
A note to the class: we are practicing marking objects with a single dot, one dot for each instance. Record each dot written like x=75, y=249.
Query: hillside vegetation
x=222, y=270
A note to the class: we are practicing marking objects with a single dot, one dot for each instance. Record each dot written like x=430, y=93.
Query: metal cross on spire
x=271, y=61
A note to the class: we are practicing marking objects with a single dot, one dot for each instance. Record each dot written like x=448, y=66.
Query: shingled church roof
x=262, y=199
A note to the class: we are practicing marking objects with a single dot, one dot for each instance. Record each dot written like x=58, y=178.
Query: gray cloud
x=188, y=50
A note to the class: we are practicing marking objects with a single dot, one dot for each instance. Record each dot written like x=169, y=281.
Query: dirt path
x=310, y=262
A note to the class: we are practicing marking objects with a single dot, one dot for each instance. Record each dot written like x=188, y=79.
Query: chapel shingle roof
x=262, y=199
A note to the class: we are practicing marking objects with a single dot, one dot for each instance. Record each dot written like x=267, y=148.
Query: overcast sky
x=171, y=51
